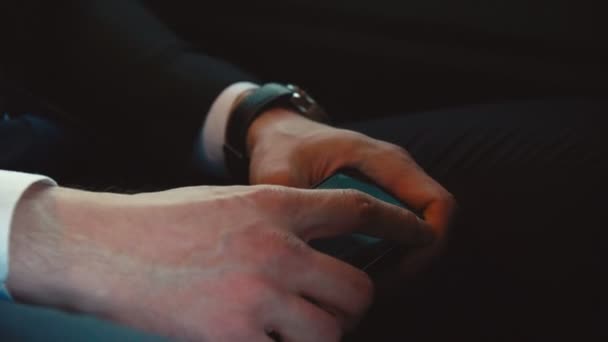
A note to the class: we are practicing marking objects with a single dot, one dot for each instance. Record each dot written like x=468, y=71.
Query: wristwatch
x=271, y=95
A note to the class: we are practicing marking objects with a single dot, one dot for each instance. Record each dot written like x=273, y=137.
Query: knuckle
x=398, y=150
x=283, y=244
x=271, y=255
x=394, y=149
x=448, y=199
x=362, y=203
x=409, y=217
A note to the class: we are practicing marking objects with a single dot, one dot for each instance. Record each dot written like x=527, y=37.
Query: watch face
x=301, y=102
x=306, y=105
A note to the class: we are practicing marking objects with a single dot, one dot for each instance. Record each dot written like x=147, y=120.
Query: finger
x=399, y=173
x=302, y=321
x=335, y=286
x=327, y=213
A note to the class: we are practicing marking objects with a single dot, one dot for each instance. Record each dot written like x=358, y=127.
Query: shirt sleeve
x=12, y=186
x=209, y=152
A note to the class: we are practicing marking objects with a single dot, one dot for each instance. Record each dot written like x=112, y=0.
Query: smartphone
x=367, y=253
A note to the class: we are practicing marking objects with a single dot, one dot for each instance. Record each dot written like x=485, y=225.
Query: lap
x=525, y=255
x=24, y=323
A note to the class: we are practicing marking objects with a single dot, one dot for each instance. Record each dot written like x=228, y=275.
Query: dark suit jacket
x=115, y=67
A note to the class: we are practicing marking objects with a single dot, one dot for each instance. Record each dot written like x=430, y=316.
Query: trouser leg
x=25, y=323
x=527, y=253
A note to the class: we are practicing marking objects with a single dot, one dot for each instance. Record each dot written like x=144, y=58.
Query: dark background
x=368, y=58
x=360, y=59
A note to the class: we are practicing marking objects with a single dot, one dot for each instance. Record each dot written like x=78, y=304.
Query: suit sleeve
x=117, y=67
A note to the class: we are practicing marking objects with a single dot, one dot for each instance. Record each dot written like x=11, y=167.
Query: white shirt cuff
x=210, y=144
x=12, y=186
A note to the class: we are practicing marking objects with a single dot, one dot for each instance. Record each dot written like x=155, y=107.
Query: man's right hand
x=201, y=263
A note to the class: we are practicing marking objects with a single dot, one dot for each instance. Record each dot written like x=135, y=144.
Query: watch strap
x=254, y=104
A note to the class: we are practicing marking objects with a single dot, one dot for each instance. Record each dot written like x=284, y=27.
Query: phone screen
x=362, y=251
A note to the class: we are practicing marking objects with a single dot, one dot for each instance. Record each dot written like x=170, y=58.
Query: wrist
x=36, y=265
x=269, y=122
x=48, y=264
x=270, y=98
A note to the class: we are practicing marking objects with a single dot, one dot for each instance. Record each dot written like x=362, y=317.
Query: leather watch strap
x=253, y=105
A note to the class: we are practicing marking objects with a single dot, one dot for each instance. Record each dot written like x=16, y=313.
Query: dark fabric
x=526, y=258
x=113, y=65
x=115, y=61
x=33, y=143
x=25, y=323
x=40, y=142
x=368, y=58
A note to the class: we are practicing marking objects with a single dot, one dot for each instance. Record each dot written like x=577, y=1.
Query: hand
x=201, y=263
x=288, y=149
